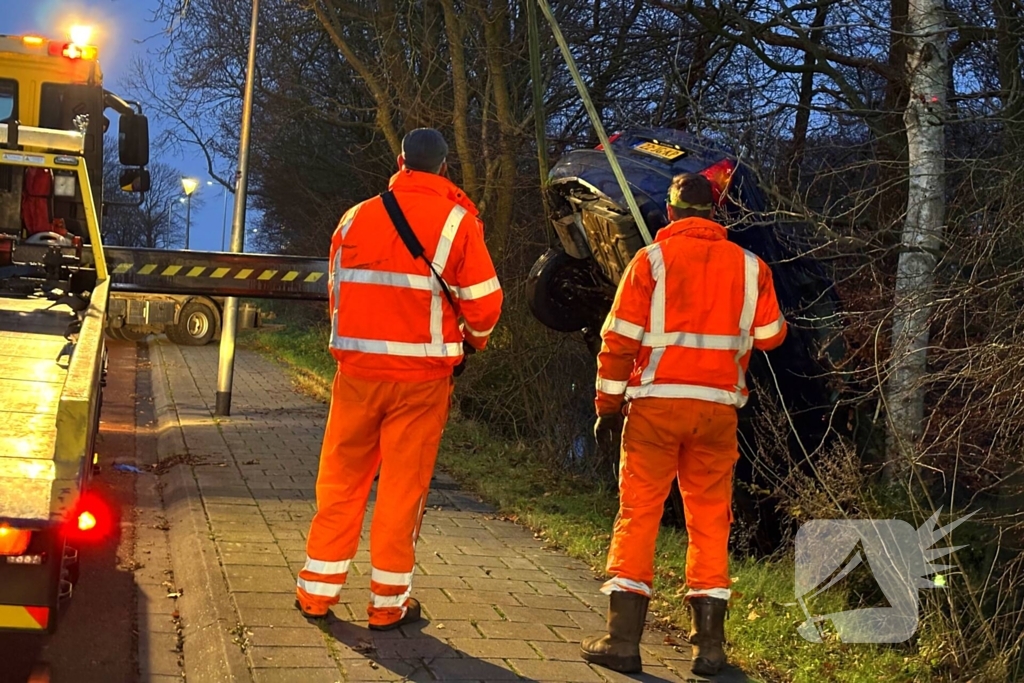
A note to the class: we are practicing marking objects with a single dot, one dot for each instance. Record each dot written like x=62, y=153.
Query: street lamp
x=189, y=185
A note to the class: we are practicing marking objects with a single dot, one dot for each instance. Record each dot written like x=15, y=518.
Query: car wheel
x=554, y=291
x=114, y=333
x=196, y=325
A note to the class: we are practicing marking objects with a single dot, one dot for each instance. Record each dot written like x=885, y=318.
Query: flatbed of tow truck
x=52, y=316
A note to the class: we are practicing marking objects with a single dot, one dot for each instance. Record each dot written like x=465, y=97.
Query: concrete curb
x=209, y=618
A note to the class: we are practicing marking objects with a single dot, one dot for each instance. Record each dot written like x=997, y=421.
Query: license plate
x=660, y=151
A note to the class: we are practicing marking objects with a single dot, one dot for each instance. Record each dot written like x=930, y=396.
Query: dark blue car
x=571, y=287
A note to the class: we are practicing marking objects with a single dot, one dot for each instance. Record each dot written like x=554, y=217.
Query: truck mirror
x=133, y=140
x=135, y=180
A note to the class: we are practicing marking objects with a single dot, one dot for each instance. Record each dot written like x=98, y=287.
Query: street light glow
x=190, y=185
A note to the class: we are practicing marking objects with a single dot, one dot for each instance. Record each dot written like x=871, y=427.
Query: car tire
x=196, y=325
x=114, y=333
x=549, y=292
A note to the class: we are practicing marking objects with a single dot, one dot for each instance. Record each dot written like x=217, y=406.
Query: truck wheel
x=196, y=325
x=554, y=291
x=133, y=334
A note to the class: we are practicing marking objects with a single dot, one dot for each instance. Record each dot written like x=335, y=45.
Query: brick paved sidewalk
x=498, y=605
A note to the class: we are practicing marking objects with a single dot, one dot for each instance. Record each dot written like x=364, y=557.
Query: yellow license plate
x=660, y=151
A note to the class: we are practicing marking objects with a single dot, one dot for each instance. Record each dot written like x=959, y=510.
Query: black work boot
x=620, y=649
x=707, y=633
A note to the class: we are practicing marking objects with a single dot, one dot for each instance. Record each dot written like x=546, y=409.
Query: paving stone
x=242, y=578
x=331, y=675
x=254, y=559
x=565, y=604
x=308, y=636
x=472, y=669
x=483, y=597
x=508, y=629
x=273, y=617
x=559, y=651
x=289, y=658
x=472, y=612
x=567, y=672
x=483, y=648
x=448, y=629
x=530, y=615
x=652, y=674
x=420, y=647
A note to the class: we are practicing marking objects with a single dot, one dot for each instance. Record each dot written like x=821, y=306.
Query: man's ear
x=443, y=171
x=401, y=162
x=671, y=211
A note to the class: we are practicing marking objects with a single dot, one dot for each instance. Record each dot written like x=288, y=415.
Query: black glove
x=607, y=429
x=467, y=351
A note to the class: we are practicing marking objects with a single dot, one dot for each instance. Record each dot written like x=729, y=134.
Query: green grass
x=576, y=515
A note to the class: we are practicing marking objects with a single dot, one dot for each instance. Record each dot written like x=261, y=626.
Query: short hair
x=691, y=191
x=424, y=149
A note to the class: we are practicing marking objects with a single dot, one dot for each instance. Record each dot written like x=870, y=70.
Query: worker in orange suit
x=675, y=347
x=400, y=325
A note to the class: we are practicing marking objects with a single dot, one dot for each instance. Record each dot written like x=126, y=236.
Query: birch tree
x=922, y=234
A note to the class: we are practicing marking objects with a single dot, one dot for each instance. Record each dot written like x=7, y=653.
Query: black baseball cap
x=424, y=149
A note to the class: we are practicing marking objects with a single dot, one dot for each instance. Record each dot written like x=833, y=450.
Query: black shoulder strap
x=410, y=240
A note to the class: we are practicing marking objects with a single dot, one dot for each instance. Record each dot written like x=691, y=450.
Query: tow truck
x=47, y=83
x=53, y=310
x=59, y=294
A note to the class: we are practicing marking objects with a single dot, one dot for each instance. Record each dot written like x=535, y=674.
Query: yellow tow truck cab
x=54, y=291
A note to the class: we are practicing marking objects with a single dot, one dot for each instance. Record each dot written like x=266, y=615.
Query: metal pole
x=188, y=219
x=224, y=219
x=226, y=366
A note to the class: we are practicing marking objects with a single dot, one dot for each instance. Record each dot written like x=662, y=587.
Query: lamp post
x=189, y=185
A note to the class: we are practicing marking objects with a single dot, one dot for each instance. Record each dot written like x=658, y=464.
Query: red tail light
x=92, y=519
x=611, y=138
x=13, y=541
x=720, y=175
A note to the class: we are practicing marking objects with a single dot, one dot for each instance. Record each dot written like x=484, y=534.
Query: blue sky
x=122, y=30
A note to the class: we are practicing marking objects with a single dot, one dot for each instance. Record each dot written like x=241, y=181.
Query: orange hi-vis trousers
x=665, y=438
x=393, y=426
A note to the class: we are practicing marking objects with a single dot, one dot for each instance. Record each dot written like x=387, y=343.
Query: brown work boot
x=707, y=633
x=412, y=615
x=620, y=649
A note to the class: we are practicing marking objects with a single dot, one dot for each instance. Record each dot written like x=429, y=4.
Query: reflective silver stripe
x=336, y=288
x=475, y=333
x=392, y=348
x=657, y=261
x=326, y=590
x=612, y=386
x=729, y=398
x=720, y=593
x=444, y=245
x=770, y=330
x=436, y=315
x=390, y=578
x=347, y=219
x=719, y=342
x=657, y=322
x=478, y=291
x=387, y=278
x=625, y=328
x=321, y=567
x=751, y=271
x=384, y=601
x=619, y=584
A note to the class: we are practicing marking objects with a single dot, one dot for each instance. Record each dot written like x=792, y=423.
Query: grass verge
x=576, y=515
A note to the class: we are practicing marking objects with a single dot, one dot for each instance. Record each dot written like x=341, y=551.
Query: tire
x=196, y=325
x=114, y=333
x=554, y=292
x=133, y=334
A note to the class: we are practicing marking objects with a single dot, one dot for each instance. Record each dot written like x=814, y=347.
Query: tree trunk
x=922, y=230
x=460, y=110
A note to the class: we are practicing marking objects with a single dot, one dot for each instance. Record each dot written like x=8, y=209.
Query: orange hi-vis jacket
x=390, y=320
x=688, y=311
